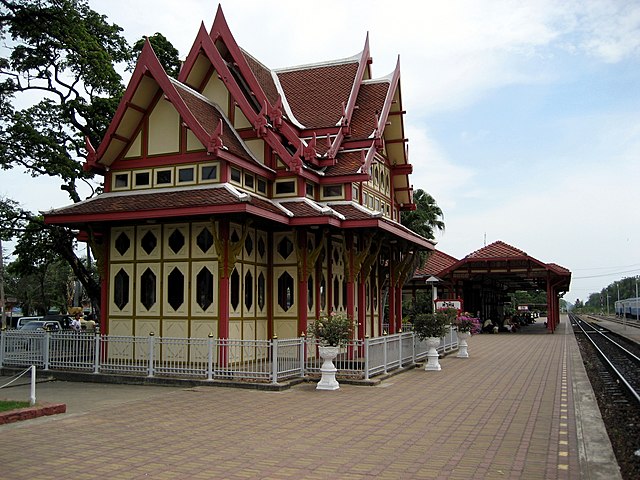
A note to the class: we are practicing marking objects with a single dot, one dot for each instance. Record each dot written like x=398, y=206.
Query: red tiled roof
x=315, y=94
x=436, y=262
x=351, y=212
x=497, y=249
x=263, y=76
x=301, y=209
x=370, y=102
x=109, y=203
x=559, y=268
x=347, y=163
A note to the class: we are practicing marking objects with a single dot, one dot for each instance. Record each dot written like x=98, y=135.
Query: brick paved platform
x=519, y=407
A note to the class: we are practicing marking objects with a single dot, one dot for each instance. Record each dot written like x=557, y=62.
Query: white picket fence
x=265, y=361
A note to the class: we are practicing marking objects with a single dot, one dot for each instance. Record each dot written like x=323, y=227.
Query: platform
x=519, y=407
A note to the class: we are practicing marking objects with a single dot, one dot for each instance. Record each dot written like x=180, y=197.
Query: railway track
x=623, y=361
x=629, y=322
x=613, y=367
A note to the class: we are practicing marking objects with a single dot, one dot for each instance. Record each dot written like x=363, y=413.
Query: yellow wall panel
x=285, y=328
x=193, y=144
x=240, y=120
x=117, y=238
x=164, y=129
x=135, y=149
x=128, y=271
x=217, y=92
x=170, y=269
x=154, y=273
x=257, y=148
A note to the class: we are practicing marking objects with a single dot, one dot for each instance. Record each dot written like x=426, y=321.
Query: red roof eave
x=378, y=223
x=165, y=213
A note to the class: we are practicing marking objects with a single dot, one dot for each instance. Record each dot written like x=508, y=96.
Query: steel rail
x=633, y=392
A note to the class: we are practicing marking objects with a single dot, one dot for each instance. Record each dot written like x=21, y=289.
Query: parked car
x=22, y=321
x=42, y=325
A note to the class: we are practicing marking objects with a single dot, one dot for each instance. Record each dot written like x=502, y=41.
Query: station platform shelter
x=483, y=280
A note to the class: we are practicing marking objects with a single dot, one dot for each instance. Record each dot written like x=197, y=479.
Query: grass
x=6, y=405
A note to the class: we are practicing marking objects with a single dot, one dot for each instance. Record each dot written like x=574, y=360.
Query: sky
x=523, y=118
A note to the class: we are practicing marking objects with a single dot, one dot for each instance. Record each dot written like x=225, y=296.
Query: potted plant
x=331, y=332
x=433, y=326
x=467, y=325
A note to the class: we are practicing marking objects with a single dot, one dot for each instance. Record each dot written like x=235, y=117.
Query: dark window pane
x=336, y=293
x=209, y=172
x=204, y=288
x=204, y=240
x=149, y=242
x=175, y=288
x=262, y=186
x=285, y=247
x=163, y=177
x=148, y=289
x=235, y=289
x=122, y=180
x=332, y=191
x=323, y=293
x=142, y=178
x=286, y=187
x=285, y=291
x=122, y=243
x=121, y=289
x=176, y=241
x=261, y=247
x=248, y=290
x=235, y=175
x=248, y=181
x=310, y=292
x=185, y=175
x=262, y=288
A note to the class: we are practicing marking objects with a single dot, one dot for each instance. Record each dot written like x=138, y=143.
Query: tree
x=426, y=218
x=64, y=54
x=164, y=50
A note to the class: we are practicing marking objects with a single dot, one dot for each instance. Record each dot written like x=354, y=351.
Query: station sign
x=444, y=303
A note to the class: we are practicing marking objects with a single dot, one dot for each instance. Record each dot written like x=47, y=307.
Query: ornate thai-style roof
x=510, y=266
x=324, y=122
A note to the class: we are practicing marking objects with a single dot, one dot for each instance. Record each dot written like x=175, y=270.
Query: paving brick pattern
x=505, y=412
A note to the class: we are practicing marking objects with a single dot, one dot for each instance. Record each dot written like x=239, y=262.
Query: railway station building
x=244, y=201
x=483, y=280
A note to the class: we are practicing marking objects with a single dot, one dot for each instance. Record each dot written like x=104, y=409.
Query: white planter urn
x=462, y=344
x=328, y=369
x=432, y=354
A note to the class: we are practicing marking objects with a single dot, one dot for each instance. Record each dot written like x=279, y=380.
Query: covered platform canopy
x=484, y=279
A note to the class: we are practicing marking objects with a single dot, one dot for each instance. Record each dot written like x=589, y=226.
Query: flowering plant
x=467, y=323
x=332, y=330
x=436, y=324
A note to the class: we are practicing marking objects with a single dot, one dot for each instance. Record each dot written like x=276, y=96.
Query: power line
x=605, y=274
x=605, y=268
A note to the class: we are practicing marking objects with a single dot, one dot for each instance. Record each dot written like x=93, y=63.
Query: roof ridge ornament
x=215, y=141
x=295, y=166
x=91, y=155
x=275, y=113
x=261, y=122
x=309, y=152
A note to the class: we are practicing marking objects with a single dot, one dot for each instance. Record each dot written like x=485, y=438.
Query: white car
x=22, y=321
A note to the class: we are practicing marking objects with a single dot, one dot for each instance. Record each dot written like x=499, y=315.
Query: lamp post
x=607, y=304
